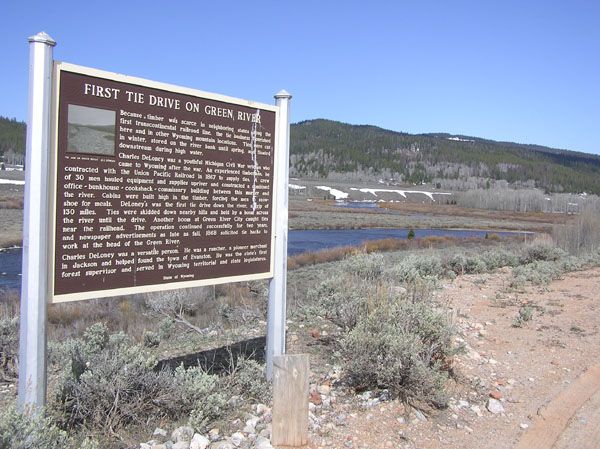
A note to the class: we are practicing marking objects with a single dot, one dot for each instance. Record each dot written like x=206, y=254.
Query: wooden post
x=290, y=400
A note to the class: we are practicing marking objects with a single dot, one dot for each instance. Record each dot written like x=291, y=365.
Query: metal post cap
x=42, y=37
x=283, y=94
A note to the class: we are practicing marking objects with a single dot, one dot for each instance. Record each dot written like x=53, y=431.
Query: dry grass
x=326, y=215
x=127, y=314
x=9, y=303
x=11, y=214
x=10, y=241
x=326, y=255
x=389, y=244
x=431, y=209
x=65, y=320
x=221, y=306
x=458, y=211
x=11, y=227
x=11, y=203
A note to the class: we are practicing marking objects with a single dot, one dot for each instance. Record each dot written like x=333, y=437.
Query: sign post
x=135, y=186
x=34, y=290
x=276, y=313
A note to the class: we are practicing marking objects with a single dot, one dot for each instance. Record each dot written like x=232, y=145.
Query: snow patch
x=12, y=181
x=338, y=194
x=460, y=139
x=400, y=192
x=296, y=187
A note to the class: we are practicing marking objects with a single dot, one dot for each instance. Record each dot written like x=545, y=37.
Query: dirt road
x=556, y=421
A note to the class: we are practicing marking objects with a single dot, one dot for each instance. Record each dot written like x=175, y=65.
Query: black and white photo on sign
x=91, y=130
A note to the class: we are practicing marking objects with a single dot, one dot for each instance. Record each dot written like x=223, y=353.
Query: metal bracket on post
x=32, y=334
x=276, y=313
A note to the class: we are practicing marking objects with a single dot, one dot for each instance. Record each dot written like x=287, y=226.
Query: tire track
x=553, y=419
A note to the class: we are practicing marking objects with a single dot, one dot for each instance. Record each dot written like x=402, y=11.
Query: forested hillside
x=325, y=148
x=330, y=149
x=12, y=140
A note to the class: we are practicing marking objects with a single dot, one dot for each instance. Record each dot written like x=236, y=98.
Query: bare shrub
x=10, y=300
x=383, y=245
x=492, y=236
x=72, y=319
x=180, y=305
x=179, y=301
x=315, y=257
x=582, y=236
x=11, y=240
x=435, y=241
x=389, y=244
x=11, y=203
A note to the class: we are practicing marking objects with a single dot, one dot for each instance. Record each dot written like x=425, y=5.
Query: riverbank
x=326, y=214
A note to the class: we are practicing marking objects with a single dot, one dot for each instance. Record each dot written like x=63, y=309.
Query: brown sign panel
x=157, y=186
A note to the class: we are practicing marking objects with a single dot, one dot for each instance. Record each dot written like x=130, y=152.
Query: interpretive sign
x=157, y=186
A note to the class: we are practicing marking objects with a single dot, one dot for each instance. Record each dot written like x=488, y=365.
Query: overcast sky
x=522, y=71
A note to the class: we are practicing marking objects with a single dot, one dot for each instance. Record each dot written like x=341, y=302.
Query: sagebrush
x=108, y=382
x=36, y=431
x=394, y=335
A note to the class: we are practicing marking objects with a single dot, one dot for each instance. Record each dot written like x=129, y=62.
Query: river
x=316, y=240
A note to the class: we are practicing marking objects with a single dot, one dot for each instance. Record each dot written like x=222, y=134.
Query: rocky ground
x=526, y=379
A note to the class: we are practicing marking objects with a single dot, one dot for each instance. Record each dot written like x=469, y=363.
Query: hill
x=329, y=149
